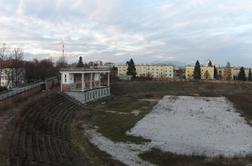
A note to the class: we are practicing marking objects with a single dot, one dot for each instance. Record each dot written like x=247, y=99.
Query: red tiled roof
x=8, y=64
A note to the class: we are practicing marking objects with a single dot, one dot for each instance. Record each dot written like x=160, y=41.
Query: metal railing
x=90, y=94
x=94, y=94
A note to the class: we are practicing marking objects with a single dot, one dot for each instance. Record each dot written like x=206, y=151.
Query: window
x=65, y=78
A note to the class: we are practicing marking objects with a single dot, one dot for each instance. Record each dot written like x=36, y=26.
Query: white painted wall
x=65, y=78
x=97, y=77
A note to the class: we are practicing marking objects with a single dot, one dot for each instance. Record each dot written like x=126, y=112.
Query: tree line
x=18, y=71
x=35, y=70
x=226, y=75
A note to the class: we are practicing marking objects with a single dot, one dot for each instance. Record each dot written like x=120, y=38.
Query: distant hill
x=176, y=63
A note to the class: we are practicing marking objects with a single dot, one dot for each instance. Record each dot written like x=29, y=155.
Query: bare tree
x=11, y=65
x=3, y=55
x=18, y=65
x=9, y=74
x=61, y=62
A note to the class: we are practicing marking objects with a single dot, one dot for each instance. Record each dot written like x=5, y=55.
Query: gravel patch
x=196, y=125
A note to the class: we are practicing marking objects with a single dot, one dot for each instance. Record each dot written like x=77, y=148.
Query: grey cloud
x=116, y=30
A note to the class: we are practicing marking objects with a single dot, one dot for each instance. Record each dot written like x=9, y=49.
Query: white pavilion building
x=85, y=84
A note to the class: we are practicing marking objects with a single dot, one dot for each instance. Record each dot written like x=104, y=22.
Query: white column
x=108, y=79
x=61, y=82
x=91, y=81
x=99, y=79
x=82, y=82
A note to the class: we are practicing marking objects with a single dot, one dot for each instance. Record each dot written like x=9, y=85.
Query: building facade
x=225, y=73
x=236, y=71
x=11, y=75
x=207, y=72
x=82, y=79
x=179, y=73
x=85, y=84
x=154, y=71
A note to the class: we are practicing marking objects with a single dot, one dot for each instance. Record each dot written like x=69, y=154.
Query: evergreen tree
x=228, y=65
x=131, y=68
x=113, y=73
x=250, y=75
x=241, y=75
x=210, y=64
x=197, y=71
x=80, y=62
x=216, y=73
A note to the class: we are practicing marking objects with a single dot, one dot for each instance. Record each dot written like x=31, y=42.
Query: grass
x=159, y=88
x=160, y=158
x=111, y=125
x=86, y=150
x=243, y=102
x=115, y=124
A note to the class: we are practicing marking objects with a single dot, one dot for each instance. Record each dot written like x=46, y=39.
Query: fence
x=95, y=94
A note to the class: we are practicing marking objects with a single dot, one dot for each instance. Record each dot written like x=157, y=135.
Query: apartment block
x=155, y=71
x=207, y=72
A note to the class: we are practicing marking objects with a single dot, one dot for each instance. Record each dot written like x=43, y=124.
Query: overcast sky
x=116, y=30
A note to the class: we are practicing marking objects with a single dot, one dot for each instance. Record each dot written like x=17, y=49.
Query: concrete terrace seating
x=41, y=134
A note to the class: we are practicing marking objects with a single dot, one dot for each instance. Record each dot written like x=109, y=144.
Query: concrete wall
x=12, y=99
x=17, y=94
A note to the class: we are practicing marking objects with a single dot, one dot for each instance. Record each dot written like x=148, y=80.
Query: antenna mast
x=63, y=48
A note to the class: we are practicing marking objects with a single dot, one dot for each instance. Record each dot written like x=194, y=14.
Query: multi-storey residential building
x=11, y=75
x=109, y=64
x=207, y=72
x=179, y=73
x=236, y=71
x=225, y=73
x=155, y=71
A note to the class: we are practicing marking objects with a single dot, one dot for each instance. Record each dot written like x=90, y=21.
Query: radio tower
x=63, y=51
x=63, y=48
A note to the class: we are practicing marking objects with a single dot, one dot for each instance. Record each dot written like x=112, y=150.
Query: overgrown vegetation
x=192, y=88
x=87, y=151
x=116, y=115
x=160, y=158
x=243, y=102
x=113, y=117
